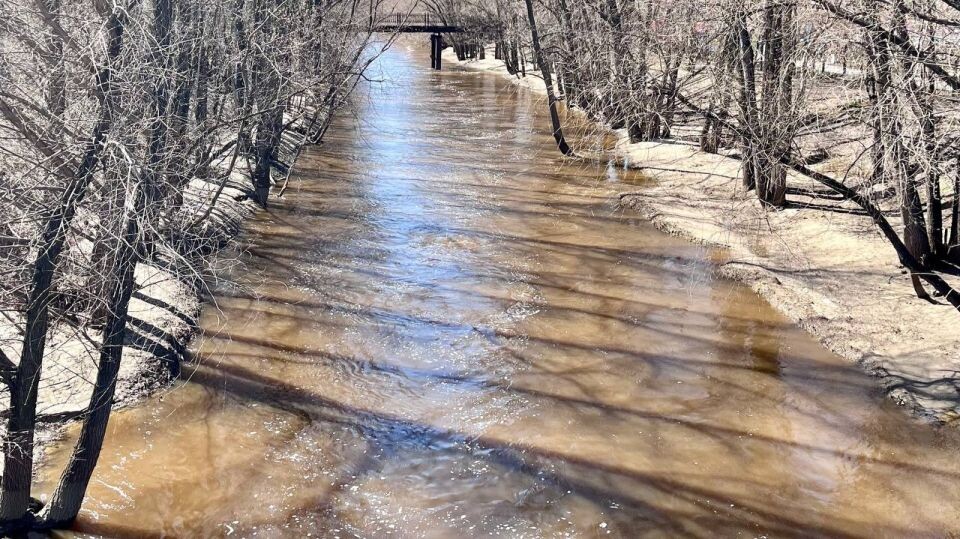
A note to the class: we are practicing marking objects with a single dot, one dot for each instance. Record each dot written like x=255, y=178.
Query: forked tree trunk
x=897, y=161
x=128, y=247
x=268, y=137
x=18, y=445
x=928, y=135
x=162, y=121
x=911, y=208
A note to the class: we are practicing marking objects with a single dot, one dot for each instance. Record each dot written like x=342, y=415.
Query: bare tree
x=548, y=81
x=106, y=173
x=739, y=72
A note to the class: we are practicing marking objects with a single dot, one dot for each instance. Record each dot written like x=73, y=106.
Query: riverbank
x=820, y=262
x=163, y=315
x=163, y=312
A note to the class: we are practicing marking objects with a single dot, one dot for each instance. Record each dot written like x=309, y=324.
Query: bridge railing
x=423, y=22
x=410, y=19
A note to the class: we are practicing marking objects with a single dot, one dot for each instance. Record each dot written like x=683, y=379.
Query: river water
x=444, y=331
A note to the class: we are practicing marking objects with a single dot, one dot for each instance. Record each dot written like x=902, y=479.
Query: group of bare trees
x=121, y=123
x=123, y=120
x=783, y=85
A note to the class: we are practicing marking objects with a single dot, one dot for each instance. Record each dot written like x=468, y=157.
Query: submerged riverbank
x=820, y=262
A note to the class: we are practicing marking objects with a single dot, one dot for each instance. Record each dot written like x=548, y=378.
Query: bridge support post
x=436, y=50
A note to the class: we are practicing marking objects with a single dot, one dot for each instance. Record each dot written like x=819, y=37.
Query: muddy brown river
x=442, y=330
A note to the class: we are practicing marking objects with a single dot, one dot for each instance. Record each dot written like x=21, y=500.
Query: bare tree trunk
x=268, y=136
x=748, y=101
x=911, y=211
x=898, y=163
x=57, y=85
x=669, y=95
x=930, y=150
x=877, y=79
x=569, y=81
x=911, y=207
x=775, y=132
x=242, y=86
x=67, y=498
x=711, y=137
x=18, y=444
x=548, y=80
x=955, y=211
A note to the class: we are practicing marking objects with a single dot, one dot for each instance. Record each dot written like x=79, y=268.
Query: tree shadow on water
x=645, y=500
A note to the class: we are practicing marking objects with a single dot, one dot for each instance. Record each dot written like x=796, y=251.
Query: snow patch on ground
x=163, y=313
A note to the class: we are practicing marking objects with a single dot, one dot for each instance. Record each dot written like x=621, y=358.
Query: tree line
x=781, y=85
x=122, y=122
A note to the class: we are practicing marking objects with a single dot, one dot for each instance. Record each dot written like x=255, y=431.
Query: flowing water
x=444, y=331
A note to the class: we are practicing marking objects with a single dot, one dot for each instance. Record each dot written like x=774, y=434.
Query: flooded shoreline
x=443, y=330
x=829, y=270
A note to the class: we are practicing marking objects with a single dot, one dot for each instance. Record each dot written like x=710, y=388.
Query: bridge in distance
x=422, y=23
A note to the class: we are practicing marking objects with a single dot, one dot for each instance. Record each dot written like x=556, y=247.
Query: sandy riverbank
x=821, y=263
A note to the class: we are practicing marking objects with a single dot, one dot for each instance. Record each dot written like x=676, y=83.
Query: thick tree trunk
x=268, y=137
x=775, y=118
x=897, y=162
x=911, y=207
x=748, y=102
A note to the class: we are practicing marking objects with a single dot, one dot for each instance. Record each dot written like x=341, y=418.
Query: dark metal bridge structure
x=415, y=23
x=420, y=23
